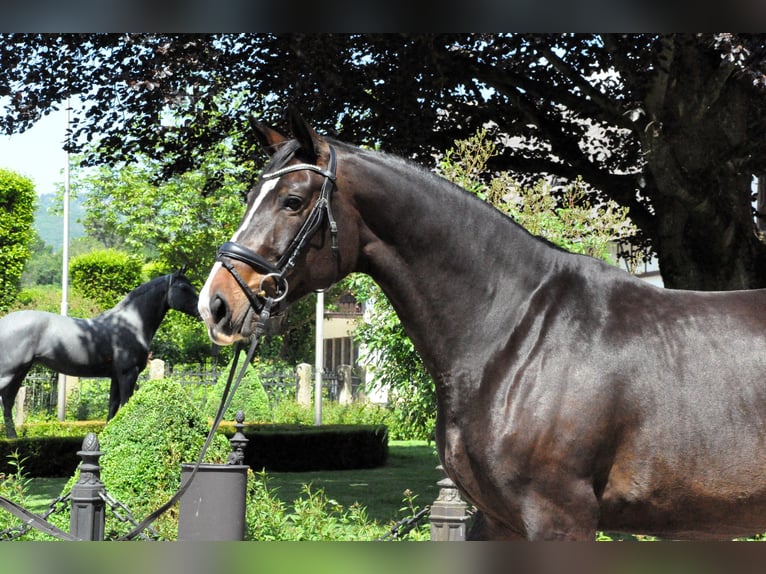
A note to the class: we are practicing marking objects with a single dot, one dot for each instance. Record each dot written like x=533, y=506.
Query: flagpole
x=318, y=358
x=61, y=398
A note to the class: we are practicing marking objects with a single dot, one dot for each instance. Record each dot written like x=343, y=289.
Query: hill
x=49, y=223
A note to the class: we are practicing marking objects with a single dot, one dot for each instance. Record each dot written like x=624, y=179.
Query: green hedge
x=49, y=456
x=298, y=448
x=278, y=448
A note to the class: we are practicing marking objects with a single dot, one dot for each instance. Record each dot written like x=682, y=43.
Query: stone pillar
x=448, y=513
x=21, y=397
x=87, y=518
x=156, y=369
x=304, y=384
x=345, y=396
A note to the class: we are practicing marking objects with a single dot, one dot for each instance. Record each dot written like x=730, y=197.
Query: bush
x=17, y=211
x=105, y=276
x=89, y=400
x=313, y=516
x=49, y=456
x=249, y=397
x=144, y=446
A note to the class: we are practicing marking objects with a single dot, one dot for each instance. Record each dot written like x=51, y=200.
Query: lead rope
x=226, y=398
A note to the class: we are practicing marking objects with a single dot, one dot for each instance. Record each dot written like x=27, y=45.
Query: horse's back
x=684, y=375
x=72, y=346
x=658, y=395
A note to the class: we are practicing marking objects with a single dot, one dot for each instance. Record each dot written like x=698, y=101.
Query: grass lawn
x=411, y=465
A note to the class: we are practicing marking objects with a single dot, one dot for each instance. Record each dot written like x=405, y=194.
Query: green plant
x=89, y=400
x=14, y=485
x=249, y=397
x=17, y=208
x=312, y=516
x=105, y=276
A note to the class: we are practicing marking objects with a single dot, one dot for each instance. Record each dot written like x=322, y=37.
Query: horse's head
x=288, y=243
x=182, y=296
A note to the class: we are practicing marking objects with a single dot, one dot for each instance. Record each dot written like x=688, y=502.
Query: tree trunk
x=697, y=119
x=709, y=248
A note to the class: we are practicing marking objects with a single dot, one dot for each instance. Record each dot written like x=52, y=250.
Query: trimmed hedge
x=49, y=456
x=297, y=448
x=279, y=448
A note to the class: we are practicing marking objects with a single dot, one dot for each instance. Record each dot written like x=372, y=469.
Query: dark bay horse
x=114, y=344
x=572, y=397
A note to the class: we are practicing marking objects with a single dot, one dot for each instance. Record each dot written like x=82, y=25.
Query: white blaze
x=204, y=296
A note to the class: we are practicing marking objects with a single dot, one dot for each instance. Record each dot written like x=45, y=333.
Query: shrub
x=89, y=400
x=17, y=209
x=13, y=486
x=144, y=446
x=250, y=395
x=299, y=448
x=312, y=516
x=105, y=276
x=49, y=456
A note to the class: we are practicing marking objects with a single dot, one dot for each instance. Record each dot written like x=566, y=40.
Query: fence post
x=304, y=384
x=448, y=512
x=87, y=518
x=345, y=396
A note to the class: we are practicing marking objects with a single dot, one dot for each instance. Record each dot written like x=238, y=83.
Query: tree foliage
x=172, y=221
x=668, y=126
x=17, y=208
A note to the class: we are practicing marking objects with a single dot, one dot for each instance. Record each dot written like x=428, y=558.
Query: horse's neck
x=445, y=261
x=142, y=311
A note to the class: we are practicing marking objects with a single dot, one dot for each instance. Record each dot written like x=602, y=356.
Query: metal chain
x=116, y=506
x=59, y=504
x=403, y=527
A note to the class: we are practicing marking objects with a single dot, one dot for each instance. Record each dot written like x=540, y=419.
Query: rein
x=228, y=394
x=279, y=270
x=260, y=301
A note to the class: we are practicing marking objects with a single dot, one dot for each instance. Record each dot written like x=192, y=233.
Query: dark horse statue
x=572, y=397
x=114, y=344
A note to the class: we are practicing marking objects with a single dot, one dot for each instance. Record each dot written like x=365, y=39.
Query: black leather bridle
x=261, y=303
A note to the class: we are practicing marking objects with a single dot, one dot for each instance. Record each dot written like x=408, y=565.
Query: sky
x=38, y=153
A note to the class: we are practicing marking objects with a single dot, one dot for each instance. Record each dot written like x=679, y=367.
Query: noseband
x=259, y=300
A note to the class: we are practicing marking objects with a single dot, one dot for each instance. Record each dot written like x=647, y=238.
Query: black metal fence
x=42, y=384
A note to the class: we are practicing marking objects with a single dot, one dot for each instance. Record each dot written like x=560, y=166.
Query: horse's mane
x=141, y=290
x=447, y=189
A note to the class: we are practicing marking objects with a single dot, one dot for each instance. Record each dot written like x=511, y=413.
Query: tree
x=668, y=126
x=173, y=222
x=43, y=266
x=17, y=208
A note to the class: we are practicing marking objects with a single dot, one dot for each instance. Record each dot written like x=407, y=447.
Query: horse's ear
x=311, y=142
x=270, y=139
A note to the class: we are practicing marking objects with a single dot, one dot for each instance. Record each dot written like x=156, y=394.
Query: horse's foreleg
x=569, y=512
x=121, y=390
x=114, y=398
x=10, y=428
x=484, y=528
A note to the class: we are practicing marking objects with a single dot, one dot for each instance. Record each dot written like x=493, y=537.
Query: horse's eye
x=292, y=203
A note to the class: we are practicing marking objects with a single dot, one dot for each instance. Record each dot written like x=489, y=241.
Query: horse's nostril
x=219, y=310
